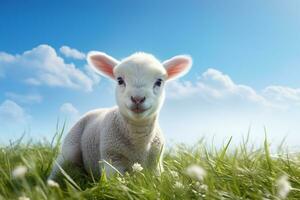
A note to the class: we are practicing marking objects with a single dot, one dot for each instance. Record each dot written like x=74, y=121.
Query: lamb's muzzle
x=138, y=100
x=128, y=133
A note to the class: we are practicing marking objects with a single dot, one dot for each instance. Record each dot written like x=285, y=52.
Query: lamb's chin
x=138, y=111
x=138, y=116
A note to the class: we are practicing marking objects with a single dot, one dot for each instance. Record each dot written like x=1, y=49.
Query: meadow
x=190, y=172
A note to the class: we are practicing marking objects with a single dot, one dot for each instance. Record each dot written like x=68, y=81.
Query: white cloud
x=4, y=57
x=217, y=80
x=42, y=66
x=32, y=81
x=72, y=53
x=12, y=113
x=24, y=98
x=282, y=96
x=221, y=86
x=215, y=106
x=214, y=86
x=180, y=90
x=92, y=74
x=69, y=111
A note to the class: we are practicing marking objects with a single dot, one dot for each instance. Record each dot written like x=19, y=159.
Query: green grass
x=242, y=173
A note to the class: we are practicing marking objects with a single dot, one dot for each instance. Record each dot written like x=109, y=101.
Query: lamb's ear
x=177, y=66
x=102, y=63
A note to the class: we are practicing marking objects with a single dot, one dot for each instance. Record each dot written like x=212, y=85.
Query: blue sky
x=246, y=63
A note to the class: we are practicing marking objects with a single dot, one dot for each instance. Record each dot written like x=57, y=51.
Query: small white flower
x=178, y=185
x=196, y=172
x=23, y=198
x=19, y=171
x=174, y=174
x=136, y=167
x=267, y=196
x=201, y=187
x=121, y=180
x=283, y=186
x=52, y=183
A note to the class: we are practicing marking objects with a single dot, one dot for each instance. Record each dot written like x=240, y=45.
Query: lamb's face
x=140, y=80
x=140, y=86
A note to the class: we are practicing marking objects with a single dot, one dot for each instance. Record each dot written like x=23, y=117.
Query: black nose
x=138, y=100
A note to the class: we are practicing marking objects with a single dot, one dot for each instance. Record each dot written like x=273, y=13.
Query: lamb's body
x=129, y=133
x=104, y=134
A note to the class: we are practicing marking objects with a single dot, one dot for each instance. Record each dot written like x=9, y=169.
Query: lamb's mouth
x=138, y=110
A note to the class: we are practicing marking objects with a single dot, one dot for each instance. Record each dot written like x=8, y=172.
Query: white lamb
x=128, y=133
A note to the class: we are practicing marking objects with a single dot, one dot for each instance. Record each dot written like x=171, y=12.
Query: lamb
x=128, y=133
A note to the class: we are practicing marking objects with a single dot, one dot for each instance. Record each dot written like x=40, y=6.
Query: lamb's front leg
x=67, y=159
x=70, y=151
x=155, y=157
x=59, y=162
x=114, y=163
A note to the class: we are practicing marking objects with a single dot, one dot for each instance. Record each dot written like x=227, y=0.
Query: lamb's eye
x=158, y=82
x=121, y=81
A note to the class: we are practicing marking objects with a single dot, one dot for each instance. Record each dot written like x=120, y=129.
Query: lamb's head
x=140, y=80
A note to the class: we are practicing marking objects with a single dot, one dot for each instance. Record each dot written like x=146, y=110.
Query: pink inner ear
x=103, y=65
x=177, y=67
